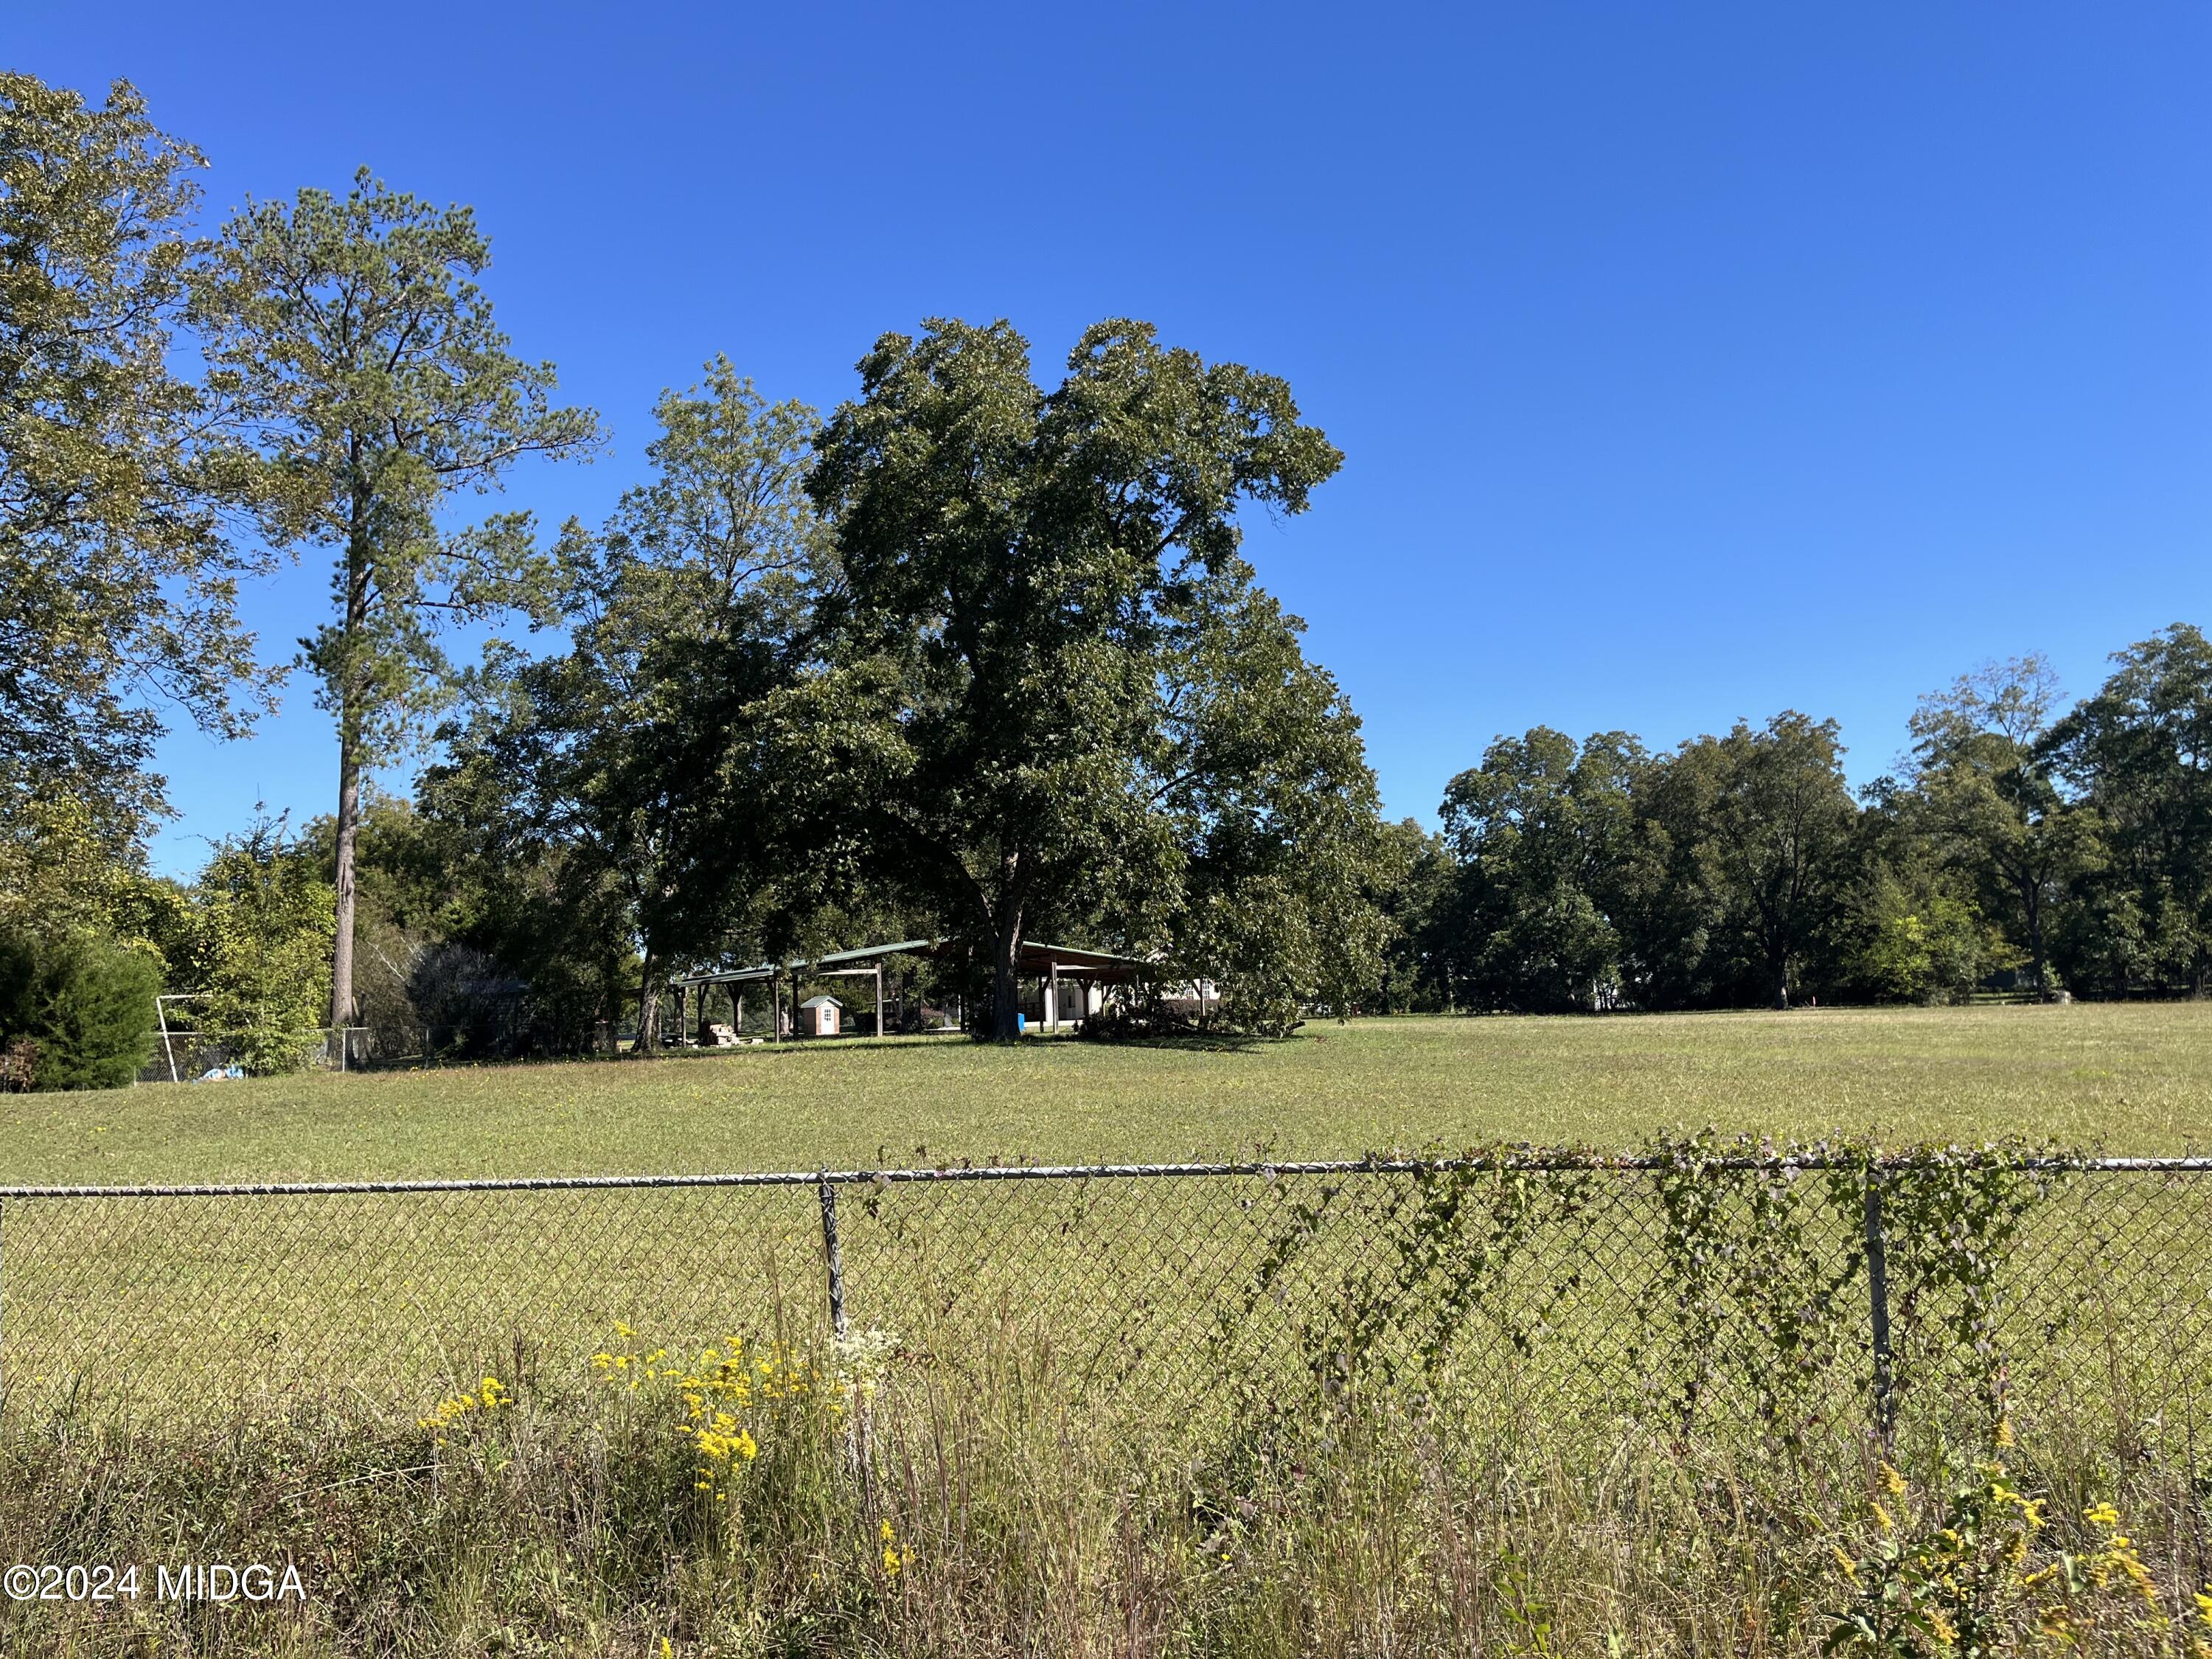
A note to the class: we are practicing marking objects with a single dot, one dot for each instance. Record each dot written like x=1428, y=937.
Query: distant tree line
x=2019, y=845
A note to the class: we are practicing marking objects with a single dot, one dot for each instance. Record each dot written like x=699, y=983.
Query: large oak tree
x=1036, y=585
x=1983, y=777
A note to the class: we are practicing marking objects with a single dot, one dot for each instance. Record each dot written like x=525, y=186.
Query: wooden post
x=1051, y=993
x=879, y=998
x=774, y=1008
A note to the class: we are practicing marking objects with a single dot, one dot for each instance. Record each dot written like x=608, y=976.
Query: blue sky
x=1691, y=362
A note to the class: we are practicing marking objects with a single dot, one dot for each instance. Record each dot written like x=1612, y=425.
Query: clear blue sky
x=1690, y=360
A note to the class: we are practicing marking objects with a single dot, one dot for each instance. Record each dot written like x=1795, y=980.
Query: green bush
x=86, y=1004
x=264, y=948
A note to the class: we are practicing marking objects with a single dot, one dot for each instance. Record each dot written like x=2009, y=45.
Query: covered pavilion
x=1088, y=971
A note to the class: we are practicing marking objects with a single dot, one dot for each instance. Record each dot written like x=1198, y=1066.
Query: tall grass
x=966, y=1505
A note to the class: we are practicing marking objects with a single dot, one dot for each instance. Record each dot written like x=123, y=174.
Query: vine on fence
x=1758, y=1286
x=1762, y=1279
x=1438, y=1249
x=1769, y=1268
x=1949, y=1215
x=1760, y=1289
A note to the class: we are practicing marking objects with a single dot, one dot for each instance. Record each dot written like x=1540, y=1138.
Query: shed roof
x=1036, y=957
x=821, y=1002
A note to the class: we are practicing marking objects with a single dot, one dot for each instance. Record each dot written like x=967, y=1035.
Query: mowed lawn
x=2123, y=1078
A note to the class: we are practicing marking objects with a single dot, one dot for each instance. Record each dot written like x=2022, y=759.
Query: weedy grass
x=2128, y=1076
x=745, y=1498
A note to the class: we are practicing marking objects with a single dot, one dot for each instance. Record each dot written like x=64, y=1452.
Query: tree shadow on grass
x=1200, y=1043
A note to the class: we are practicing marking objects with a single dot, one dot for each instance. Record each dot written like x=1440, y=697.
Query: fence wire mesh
x=1712, y=1295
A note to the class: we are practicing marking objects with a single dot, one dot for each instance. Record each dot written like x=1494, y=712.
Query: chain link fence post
x=1877, y=1260
x=831, y=1257
x=856, y=1424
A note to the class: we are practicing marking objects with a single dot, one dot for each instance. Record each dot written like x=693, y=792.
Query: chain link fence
x=1788, y=1296
x=182, y=1055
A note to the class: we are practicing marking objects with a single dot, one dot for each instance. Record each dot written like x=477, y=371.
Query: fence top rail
x=1538, y=1162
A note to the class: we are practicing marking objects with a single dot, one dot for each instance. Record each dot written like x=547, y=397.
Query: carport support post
x=879, y=998
x=1885, y=1398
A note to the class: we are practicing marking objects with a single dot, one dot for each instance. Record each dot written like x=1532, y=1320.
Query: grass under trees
x=2126, y=1078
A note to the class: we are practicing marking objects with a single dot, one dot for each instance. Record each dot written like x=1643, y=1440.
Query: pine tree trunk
x=342, y=1004
x=350, y=696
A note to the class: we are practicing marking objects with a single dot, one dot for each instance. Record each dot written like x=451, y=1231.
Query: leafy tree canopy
x=120, y=483
x=2139, y=752
x=1035, y=591
x=1543, y=829
x=633, y=752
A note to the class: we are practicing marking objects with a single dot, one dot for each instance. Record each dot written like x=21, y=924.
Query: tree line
x=971, y=655
x=2019, y=844
x=975, y=654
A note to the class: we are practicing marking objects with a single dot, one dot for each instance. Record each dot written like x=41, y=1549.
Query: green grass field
x=2127, y=1078
x=1082, y=1361
x=395, y=1292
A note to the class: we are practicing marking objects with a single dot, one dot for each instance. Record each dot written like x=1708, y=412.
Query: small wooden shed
x=820, y=1017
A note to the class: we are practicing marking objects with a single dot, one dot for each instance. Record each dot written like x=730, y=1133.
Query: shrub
x=85, y=1006
x=265, y=928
